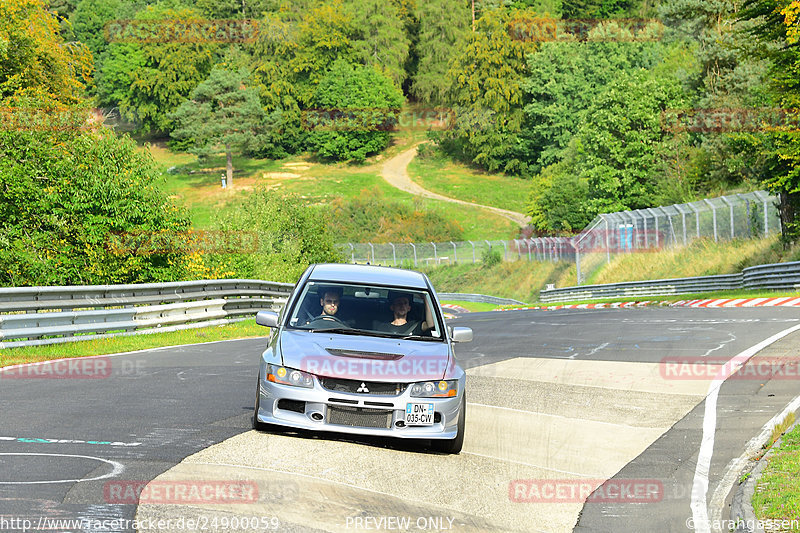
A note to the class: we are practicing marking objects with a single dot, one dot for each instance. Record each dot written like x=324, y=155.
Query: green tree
x=381, y=40
x=357, y=105
x=148, y=80
x=442, y=25
x=776, y=153
x=221, y=113
x=34, y=59
x=66, y=197
x=564, y=79
x=485, y=78
x=89, y=20
x=616, y=147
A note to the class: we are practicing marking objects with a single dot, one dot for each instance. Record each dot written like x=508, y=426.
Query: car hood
x=365, y=358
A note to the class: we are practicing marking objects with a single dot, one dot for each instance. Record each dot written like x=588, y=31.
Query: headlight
x=435, y=389
x=289, y=376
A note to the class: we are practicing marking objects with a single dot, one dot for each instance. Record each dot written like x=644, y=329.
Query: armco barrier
x=481, y=298
x=777, y=276
x=48, y=315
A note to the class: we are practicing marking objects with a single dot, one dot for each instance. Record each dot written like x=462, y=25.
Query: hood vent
x=364, y=355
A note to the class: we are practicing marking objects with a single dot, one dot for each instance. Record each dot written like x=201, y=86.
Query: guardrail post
x=394, y=253
x=415, y=253
x=455, y=252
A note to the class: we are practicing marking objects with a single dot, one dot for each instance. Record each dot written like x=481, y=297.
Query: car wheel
x=454, y=446
x=258, y=426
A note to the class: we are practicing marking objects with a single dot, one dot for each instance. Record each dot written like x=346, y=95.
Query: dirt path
x=395, y=172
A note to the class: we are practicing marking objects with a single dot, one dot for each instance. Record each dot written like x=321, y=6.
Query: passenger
x=400, y=304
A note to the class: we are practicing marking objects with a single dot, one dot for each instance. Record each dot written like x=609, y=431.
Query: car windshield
x=366, y=309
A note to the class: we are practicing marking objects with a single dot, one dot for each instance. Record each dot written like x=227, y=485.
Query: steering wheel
x=323, y=320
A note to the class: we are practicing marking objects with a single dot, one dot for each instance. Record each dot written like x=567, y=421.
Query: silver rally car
x=363, y=350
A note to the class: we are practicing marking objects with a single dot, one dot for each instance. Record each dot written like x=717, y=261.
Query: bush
x=491, y=257
x=373, y=217
x=290, y=237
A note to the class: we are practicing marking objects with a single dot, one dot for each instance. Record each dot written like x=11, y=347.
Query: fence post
x=528, y=246
x=505, y=250
x=394, y=253
x=352, y=253
x=577, y=261
x=435, y=257
x=730, y=207
x=683, y=221
x=473, y=251
x=415, y=253
x=455, y=252
x=608, y=244
x=372, y=251
x=696, y=218
x=714, y=216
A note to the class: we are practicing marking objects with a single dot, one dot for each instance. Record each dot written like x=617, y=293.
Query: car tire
x=258, y=426
x=453, y=446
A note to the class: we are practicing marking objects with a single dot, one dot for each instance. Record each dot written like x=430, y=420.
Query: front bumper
x=319, y=404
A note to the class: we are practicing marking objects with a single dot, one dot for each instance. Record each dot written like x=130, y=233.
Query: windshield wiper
x=421, y=338
x=346, y=331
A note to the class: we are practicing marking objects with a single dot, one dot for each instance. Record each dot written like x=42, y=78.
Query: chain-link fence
x=727, y=217
x=445, y=253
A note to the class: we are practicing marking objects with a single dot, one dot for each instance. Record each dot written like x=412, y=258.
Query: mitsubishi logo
x=362, y=388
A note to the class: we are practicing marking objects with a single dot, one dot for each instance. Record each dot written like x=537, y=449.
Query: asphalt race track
x=562, y=405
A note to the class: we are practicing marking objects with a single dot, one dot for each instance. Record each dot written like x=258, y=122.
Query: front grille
x=357, y=417
x=353, y=386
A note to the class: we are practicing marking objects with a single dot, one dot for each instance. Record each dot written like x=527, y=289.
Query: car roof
x=368, y=274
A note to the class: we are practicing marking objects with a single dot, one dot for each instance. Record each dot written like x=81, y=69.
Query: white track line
x=700, y=482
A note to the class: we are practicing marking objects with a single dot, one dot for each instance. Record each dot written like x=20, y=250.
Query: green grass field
x=199, y=189
x=456, y=180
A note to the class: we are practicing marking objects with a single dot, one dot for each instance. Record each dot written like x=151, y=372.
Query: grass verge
x=32, y=354
x=777, y=493
x=474, y=307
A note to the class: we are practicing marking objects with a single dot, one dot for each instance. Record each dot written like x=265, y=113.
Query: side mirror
x=462, y=334
x=267, y=318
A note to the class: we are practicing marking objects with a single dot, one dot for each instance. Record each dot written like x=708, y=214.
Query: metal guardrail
x=777, y=276
x=31, y=316
x=480, y=298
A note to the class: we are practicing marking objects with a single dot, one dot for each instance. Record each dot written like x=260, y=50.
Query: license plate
x=419, y=414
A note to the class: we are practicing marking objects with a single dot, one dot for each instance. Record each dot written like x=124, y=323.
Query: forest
x=595, y=105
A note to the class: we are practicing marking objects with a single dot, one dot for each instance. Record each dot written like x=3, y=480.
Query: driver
x=330, y=301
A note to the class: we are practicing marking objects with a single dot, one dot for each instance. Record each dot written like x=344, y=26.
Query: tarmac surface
x=562, y=405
